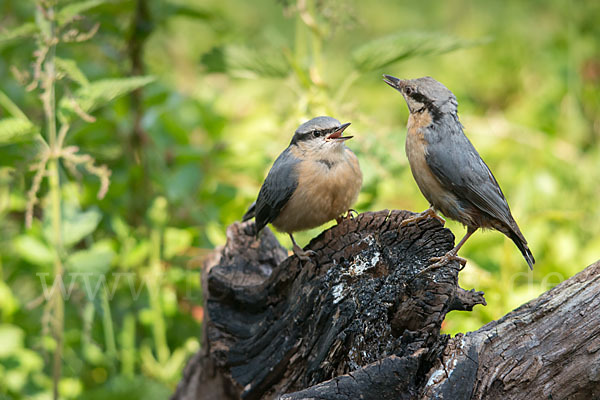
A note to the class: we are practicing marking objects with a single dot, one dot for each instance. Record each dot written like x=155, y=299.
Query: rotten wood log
x=549, y=348
x=360, y=320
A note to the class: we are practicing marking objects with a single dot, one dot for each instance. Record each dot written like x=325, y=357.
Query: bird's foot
x=445, y=259
x=427, y=214
x=303, y=255
x=348, y=215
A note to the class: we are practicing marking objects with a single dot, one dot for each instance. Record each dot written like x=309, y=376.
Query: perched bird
x=316, y=179
x=447, y=168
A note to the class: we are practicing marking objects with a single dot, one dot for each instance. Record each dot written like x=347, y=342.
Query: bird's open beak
x=337, y=135
x=394, y=82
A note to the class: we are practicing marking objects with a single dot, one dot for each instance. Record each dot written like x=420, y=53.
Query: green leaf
x=15, y=130
x=95, y=260
x=8, y=302
x=33, y=250
x=26, y=30
x=11, y=107
x=15, y=154
x=70, y=388
x=99, y=93
x=158, y=213
x=247, y=63
x=136, y=256
x=176, y=241
x=78, y=225
x=214, y=60
x=75, y=224
x=122, y=388
x=164, y=11
x=215, y=233
x=183, y=182
x=189, y=11
x=90, y=267
x=387, y=50
x=120, y=227
x=70, y=69
x=30, y=360
x=12, y=338
x=71, y=10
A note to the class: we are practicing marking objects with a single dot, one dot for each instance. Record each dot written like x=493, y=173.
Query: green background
x=229, y=81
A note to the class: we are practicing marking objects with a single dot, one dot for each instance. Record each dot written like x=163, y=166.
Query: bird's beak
x=394, y=82
x=337, y=135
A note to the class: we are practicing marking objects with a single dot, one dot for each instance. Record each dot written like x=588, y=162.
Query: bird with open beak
x=314, y=180
x=447, y=168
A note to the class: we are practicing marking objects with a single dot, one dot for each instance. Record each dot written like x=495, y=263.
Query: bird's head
x=320, y=135
x=424, y=94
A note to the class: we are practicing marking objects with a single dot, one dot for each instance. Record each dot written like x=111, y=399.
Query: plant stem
x=141, y=28
x=49, y=100
x=346, y=84
x=300, y=40
x=109, y=332
x=158, y=328
x=316, y=44
x=128, y=346
x=57, y=300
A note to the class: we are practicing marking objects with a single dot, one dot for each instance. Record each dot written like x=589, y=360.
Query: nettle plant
x=67, y=97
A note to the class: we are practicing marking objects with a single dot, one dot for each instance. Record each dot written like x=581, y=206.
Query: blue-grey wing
x=459, y=167
x=278, y=187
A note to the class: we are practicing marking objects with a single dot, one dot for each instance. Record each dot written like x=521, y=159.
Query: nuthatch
x=447, y=168
x=314, y=180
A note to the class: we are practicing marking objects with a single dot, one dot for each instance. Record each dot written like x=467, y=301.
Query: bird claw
x=445, y=259
x=427, y=214
x=440, y=219
x=303, y=255
x=348, y=215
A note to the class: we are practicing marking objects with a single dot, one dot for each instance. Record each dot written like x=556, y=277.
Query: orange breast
x=416, y=147
x=323, y=193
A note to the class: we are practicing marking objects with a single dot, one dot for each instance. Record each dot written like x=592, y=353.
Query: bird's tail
x=522, y=245
x=251, y=213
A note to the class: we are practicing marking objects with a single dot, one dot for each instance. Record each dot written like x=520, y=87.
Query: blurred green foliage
x=181, y=106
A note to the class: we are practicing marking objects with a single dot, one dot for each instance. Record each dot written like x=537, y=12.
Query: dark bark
x=545, y=349
x=361, y=321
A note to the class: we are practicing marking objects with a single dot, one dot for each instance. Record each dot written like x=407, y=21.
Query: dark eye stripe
x=321, y=132
x=314, y=134
x=420, y=98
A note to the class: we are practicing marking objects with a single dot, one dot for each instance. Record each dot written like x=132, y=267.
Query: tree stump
x=362, y=320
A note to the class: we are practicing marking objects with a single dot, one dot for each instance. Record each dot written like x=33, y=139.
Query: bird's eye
x=315, y=133
x=408, y=90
